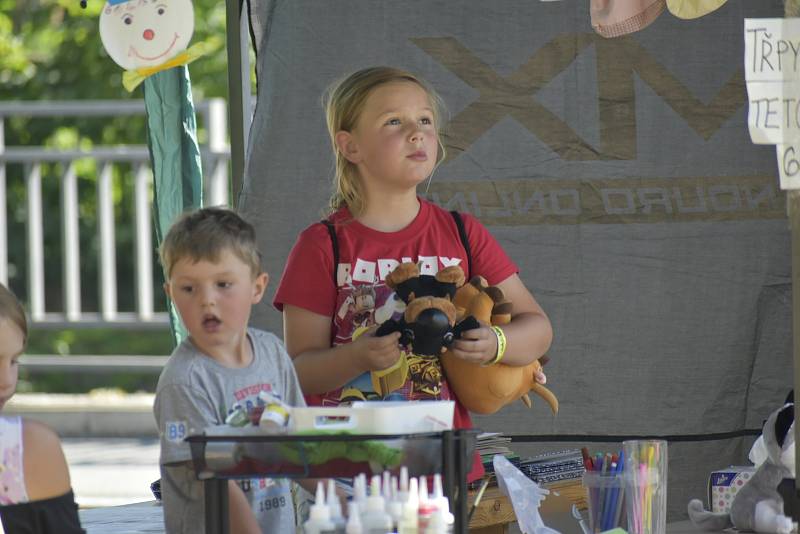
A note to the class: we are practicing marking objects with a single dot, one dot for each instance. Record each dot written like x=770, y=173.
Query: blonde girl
x=384, y=129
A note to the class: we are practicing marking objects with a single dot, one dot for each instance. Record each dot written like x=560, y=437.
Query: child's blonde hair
x=344, y=102
x=11, y=309
x=203, y=234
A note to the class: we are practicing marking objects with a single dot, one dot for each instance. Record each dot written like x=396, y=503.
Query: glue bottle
x=408, y=521
x=360, y=491
x=335, y=507
x=374, y=517
x=442, y=502
x=394, y=506
x=319, y=518
x=403, y=484
x=426, y=506
x=353, y=519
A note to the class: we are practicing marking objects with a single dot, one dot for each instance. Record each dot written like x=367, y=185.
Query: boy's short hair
x=203, y=235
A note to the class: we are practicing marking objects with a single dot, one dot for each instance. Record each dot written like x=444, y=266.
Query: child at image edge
x=384, y=127
x=35, y=490
x=214, y=277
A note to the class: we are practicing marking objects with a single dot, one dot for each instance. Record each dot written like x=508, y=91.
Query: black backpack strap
x=335, y=243
x=462, y=233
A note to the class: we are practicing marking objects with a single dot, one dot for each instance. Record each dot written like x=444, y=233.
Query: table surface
x=147, y=518
x=139, y=518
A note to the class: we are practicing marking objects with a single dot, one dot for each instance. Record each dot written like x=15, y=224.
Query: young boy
x=214, y=276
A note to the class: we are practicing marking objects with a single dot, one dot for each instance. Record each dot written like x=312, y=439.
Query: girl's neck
x=390, y=213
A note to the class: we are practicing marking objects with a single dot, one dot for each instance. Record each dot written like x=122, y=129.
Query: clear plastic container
x=379, y=417
x=606, y=496
x=646, y=486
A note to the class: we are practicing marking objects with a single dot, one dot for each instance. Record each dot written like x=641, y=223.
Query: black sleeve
x=58, y=515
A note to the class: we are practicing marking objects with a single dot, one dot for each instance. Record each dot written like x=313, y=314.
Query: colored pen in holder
x=646, y=486
x=605, y=489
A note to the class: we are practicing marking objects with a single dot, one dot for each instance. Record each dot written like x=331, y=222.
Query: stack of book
x=553, y=466
x=490, y=443
x=544, y=468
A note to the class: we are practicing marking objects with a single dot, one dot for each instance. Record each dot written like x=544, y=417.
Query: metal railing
x=215, y=155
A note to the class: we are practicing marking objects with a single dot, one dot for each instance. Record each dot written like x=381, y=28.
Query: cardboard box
x=725, y=483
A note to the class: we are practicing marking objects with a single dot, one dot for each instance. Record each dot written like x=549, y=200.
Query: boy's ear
x=259, y=286
x=168, y=290
x=347, y=146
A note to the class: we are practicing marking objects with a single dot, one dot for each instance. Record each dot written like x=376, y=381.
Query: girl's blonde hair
x=11, y=309
x=344, y=102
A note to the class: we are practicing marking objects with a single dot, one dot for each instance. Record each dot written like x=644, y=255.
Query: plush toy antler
x=482, y=389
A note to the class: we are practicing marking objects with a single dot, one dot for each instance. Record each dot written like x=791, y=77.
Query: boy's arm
x=241, y=519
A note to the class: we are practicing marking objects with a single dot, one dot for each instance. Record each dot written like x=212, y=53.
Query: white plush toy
x=758, y=506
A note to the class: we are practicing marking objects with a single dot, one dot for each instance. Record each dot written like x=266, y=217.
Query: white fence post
x=70, y=244
x=217, y=127
x=107, y=256
x=144, y=243
x=35, y=243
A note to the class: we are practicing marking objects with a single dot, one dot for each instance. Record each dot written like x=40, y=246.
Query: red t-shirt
x=361, y=298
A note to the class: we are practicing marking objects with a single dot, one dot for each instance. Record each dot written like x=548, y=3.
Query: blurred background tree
x=50, y=50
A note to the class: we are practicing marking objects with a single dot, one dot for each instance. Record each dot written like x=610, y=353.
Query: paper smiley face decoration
x=145, y=33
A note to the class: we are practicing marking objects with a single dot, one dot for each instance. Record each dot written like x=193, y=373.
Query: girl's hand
x=478, y=345
x=377, y=353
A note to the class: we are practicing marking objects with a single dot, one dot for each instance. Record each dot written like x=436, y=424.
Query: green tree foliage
x=50, y=50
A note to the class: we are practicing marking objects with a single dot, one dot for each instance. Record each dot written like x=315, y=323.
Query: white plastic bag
x=525, y=495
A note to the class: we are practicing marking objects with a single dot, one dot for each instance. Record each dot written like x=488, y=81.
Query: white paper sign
x=771, y=49
x=773, y=114
x=789, y=165
x=772, y=73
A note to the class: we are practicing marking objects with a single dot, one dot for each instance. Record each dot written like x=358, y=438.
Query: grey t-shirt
x=194, y=392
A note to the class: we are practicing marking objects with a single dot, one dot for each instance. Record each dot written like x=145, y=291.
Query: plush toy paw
x=485, y=390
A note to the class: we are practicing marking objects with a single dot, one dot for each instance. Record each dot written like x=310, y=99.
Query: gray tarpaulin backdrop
x=618, y=174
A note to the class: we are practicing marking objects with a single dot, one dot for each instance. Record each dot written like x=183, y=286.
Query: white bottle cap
x=319, y=510
x=353, y=519
x=334, y=504
x=423, y=490
x=409, y=519
x=386, y=487
x=442, y=502
x=360, y=489
x=375, y=501
x=319, y=518
x=393, y=503
x=404, y=478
